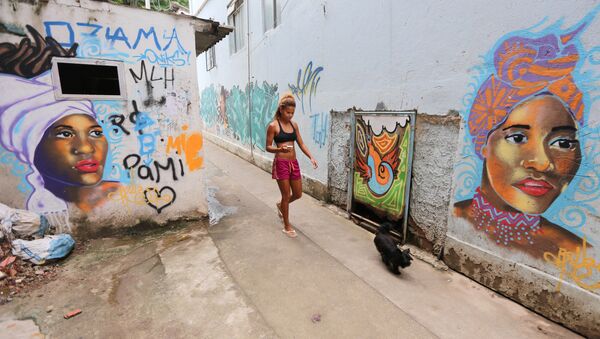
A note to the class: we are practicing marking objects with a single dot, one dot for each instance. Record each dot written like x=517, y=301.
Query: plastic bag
x=27, y=224
x=5, y=221
x=22, y=223
x=40, y=250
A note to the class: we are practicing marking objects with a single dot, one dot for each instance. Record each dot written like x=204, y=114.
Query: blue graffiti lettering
x=147, y=144
x=307, y=84
x=142, y=120
x=49, y=31
x=319, y=126
x=170, y=52
x=146, y=34
x=171, y=38
x=163, y=59
x=119, y=35
x=91, y=33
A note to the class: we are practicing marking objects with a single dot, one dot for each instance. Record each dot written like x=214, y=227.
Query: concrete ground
x=243, y=278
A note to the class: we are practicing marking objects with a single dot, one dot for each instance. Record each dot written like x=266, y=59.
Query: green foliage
x=157, y=5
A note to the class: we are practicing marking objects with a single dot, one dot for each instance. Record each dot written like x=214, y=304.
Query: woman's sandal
x=291, y=234
x=279, y=214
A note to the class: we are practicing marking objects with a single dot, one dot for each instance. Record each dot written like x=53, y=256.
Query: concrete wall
x=338, y=161
x=148, y=146
x=439, y=58
x=524, y=210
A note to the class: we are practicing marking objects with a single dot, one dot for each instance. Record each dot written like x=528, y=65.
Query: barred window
x=211, y=60
x=237, y=18
x=271, y=14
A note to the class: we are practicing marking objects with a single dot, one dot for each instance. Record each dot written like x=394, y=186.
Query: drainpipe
x=249, y=79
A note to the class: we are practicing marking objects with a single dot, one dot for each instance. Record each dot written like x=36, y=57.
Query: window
x=211, y=60
x=236, y=18
x=76, y=78
x=271, y=14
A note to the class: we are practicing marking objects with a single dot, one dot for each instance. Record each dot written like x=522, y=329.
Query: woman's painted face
x=73, y=151
x=531, y=158
x=288, y=112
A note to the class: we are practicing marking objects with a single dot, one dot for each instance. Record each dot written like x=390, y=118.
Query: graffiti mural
x=60, y=141
x=529, y=176
x=319, y=125
x=226, y=111
x=381, y=149
x=106, y=42
x=78, y=152
x=306, y=84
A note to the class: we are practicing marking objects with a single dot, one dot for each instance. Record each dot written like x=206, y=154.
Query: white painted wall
x=171, y=106
x=408, y=54
x=427, y=55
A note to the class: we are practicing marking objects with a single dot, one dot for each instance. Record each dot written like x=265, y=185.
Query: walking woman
x=286, y=170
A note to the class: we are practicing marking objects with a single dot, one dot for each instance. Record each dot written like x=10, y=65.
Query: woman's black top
x=283, y=136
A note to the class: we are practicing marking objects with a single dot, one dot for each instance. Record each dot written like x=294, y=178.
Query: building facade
x=505, y=181
x=100, y=127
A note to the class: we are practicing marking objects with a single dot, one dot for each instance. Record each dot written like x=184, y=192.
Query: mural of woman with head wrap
x=60, y=140
x=524, y=125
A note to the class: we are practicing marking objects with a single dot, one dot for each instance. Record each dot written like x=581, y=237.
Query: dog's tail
x=385, y=228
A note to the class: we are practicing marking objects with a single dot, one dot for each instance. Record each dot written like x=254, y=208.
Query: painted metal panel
x=379, y=182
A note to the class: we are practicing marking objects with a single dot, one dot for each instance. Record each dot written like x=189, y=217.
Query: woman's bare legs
x=285, y=187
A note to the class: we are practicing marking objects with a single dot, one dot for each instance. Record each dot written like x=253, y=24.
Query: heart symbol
x=157, y=200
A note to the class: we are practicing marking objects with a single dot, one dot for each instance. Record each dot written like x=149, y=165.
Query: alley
x=333, y=269
x=242, y=278
x=139, y=141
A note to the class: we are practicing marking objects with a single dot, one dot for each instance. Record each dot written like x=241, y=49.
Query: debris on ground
x=27, y=240
x=20, y=276
x=49, y=247
x=72, y=314
x=316, y=318
x=216, y=210
x=7, y=261
x=32, y=237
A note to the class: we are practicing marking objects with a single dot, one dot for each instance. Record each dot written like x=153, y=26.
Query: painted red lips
x=87, y=166
x=534, y=187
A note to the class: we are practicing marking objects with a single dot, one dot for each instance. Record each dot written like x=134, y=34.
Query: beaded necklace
x=501, y=226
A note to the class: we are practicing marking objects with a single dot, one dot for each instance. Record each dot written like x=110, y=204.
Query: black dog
x=391, y=255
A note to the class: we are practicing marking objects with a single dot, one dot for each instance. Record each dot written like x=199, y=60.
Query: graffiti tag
x=190, y=145
x=143, y=75
x=575, y=265
x=306, y=84
x=164, y=51
x=157, y=199
x=318, y=128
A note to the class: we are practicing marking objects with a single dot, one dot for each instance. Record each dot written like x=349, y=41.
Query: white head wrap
x=27, y=109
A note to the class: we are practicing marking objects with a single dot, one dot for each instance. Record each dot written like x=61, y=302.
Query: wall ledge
x=572, y=306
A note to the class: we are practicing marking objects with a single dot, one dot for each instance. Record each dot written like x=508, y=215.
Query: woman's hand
x=314, y=163
x=285, y=149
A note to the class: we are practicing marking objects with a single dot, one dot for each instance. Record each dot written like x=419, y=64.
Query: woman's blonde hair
x=286, y=100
